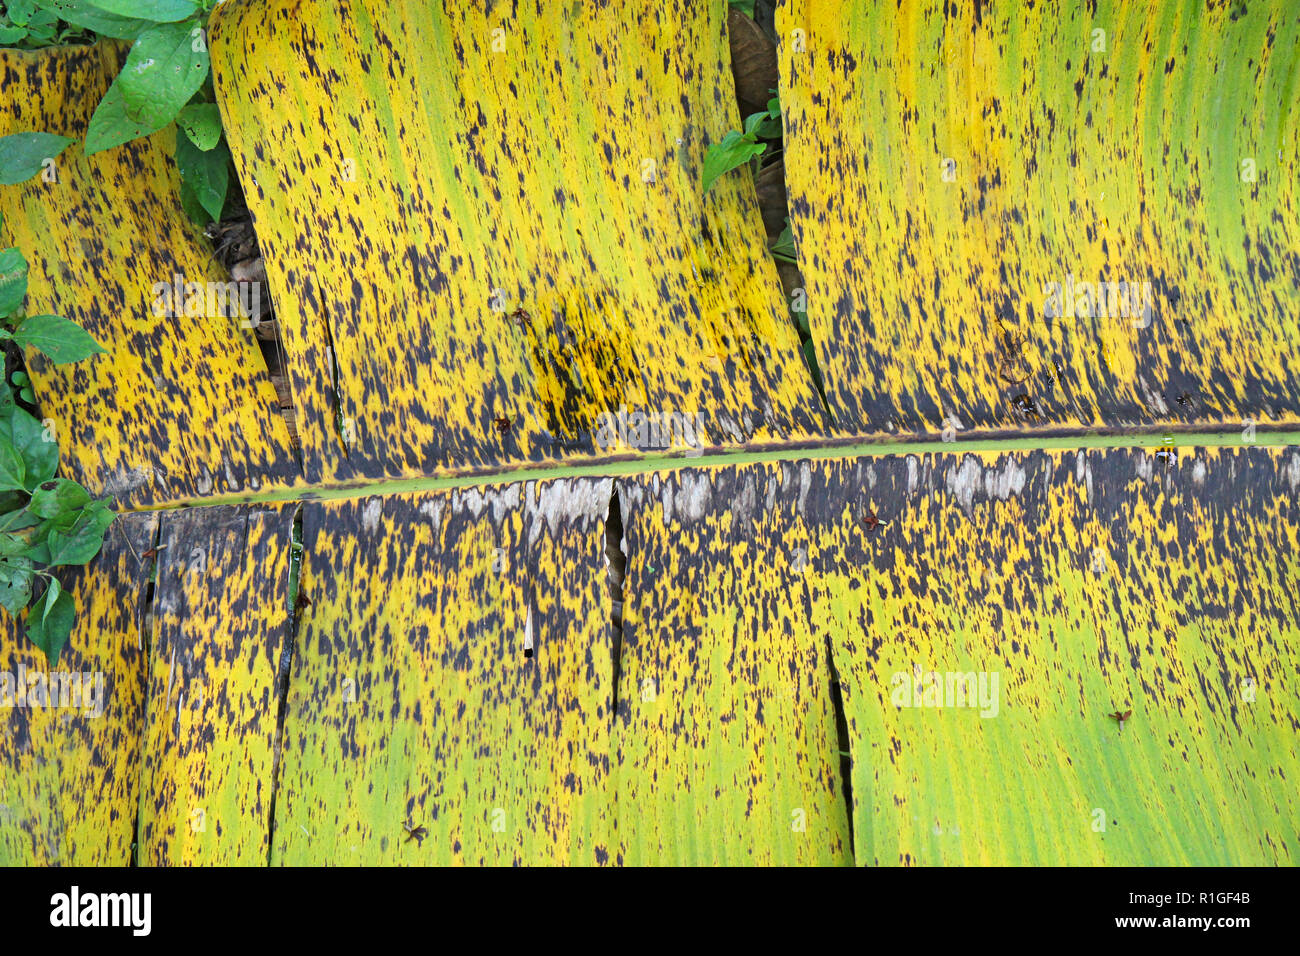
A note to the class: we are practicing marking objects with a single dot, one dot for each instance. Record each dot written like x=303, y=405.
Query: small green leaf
x=161, y=73
x=15, y=583
x=10, y=36
x=50, y=626
x=82, y=13
x=744, y=6
x=734, y=151
x=51, y=597
x=202, y=124
x=83, y=540
x=112, y=125
x=159, y=11
x=42, y=26
x=20, y=11
x=13, y=472
x=206, y=175
x=35, y=446
x=13, y=545
x=783, y=248
x=57, y=496
x=765, y=125
x=13, y=281
x=60, y=339
x=6, y=401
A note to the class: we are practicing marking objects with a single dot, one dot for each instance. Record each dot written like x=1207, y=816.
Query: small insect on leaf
x=1185, y=400
x=1025, y=405
x=520, y=317
x=872, y=521
x=150, y=553
x=503, y=425
x=416, y=833
x=1120, y=717
x=301, y=602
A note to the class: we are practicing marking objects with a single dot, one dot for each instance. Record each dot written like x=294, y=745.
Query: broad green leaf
x=84, y=539
x=753, y=121
x=37, y=449
x=205, y=174
x=20, y=11
x=60, y=339
x=13, y=473
x=56, y=496
x=767, y=124
x=13, y=545
x=6, y=401
x=202, y=124
x=162, y=72
x=112, y=125
x=82, y=13
x=13, y=281
x=49, y=625
x=42, y=27
x=11, y=501
x=15, y=583
x=12, y=35
x=159, y=11
x=734, y=151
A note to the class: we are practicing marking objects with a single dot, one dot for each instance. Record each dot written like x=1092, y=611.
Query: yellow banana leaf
x=726, y=733
x=180, y=405
x=221, y=619
x=1036, y=216
x=986, y=613
x=452, y=681
x=70, y=735
x=472, y=214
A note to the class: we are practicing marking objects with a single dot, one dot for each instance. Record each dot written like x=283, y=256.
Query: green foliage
x=30, y=25
x=768, y=123
x=165, y=80
x=202, y=124
x=744, y=6
x=735, y=150
x=62, y=340
x=87, y=16
x=23, y=154
x=205, y=177
x=163, y=71
x=737, y=147
x=45, y=522
x=783, y=248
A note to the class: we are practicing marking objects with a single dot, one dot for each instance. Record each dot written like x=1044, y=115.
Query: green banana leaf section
x=71, y=737
x=452, y=681
x=483, y=254
x=179, y=405
x=1044, y=216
